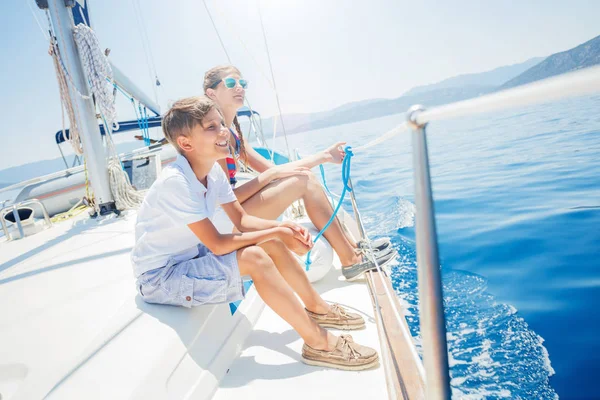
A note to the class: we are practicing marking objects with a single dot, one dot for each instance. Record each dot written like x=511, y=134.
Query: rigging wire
x=230, y=62
x=44, y=33
x=217, y=31
x=274, y=84
x=155, y=82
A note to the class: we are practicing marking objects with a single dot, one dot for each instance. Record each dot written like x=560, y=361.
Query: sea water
x=517, y=203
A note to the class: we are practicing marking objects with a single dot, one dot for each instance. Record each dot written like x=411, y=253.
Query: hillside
x=582, y=56
x=495, y=77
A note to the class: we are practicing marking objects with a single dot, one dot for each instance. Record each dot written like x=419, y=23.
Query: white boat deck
x=270, y=366
x=72, y=326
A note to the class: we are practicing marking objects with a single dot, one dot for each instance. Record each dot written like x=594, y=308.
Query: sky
x=324, y=53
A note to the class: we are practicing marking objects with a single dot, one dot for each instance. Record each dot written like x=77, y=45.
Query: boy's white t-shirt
x=175, y=200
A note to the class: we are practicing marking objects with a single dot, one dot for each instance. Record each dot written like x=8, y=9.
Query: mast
x=85, y=114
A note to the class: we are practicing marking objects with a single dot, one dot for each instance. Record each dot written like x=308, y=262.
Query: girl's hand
x=335, y=153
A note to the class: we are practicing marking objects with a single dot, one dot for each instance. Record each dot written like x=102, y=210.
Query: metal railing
x=431, y=311
x=431, y=308
x=14, y=208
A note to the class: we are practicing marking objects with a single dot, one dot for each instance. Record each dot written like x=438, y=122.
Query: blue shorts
x=205, y=279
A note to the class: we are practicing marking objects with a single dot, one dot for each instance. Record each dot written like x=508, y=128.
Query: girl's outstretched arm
x=334, y=154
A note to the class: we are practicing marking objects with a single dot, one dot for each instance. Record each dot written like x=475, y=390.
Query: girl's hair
x=211, y=79
x=183, y=115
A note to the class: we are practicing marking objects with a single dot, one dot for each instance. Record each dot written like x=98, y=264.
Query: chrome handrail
x=14, y=208
x=431, y=311
x=431, y=308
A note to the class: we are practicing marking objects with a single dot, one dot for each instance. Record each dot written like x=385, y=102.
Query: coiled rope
x=99, y=73
x=97, y=69
x=65, y=100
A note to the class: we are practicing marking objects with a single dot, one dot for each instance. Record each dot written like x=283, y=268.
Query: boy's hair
x=183, y=115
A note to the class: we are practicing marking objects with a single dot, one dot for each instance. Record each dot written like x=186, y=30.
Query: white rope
x=578, y=83
x=573, y=84
x=64, y=78
x=65, y=101
x=388, y=135
x=98, y=72
x=61, y=63
x=126, y=197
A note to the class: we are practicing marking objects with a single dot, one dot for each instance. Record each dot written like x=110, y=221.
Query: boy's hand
x=296, y=238
x=300, y=232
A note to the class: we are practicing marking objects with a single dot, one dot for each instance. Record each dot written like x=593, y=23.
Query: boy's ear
x=184, y=143
x=210, y=93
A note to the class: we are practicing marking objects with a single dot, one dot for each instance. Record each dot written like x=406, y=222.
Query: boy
x=181, y=259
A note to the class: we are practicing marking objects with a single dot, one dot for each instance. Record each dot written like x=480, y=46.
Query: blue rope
x=120, y=90
x=146, y=127
x=137, y=117
x=142, y=125
x=142, y=117
x=345, y=178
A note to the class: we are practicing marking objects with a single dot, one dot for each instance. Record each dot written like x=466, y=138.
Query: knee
x=273, y=246
x=256, y=260
x=313, y=181
x=307, y=183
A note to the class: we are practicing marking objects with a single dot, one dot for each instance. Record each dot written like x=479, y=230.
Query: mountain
x=452, y=89
x=495, y=77
x=294, y=121
x=582, y=56
x=394, y=106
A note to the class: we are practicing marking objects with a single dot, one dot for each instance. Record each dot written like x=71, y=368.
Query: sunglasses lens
x=229, y=83
x=243, y=83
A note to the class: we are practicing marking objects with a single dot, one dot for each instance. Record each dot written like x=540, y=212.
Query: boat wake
x=391, y=214
x=492, y=351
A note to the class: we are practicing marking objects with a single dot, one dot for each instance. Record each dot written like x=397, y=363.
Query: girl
x=277, y=187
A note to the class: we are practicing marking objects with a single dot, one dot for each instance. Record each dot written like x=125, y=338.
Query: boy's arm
x=298, y=240
x=257, y=230
x=221, y=244
x=245, y=222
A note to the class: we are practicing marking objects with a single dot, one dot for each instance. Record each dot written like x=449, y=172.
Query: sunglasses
x=230, y=83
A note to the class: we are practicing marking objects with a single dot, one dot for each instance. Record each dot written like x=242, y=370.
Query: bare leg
x=273, y=199
x=278, y=295
x=293, y=273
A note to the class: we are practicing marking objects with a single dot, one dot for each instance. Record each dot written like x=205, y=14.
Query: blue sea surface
x=517, y=201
